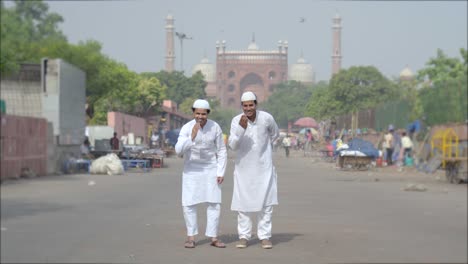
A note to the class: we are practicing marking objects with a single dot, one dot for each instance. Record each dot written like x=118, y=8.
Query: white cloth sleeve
x=236, y=133
x=184, y=142
x=221, y=153
x=273, y=130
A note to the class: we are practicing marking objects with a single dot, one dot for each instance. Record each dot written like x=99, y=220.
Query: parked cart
x=352, y=161
x=446, y=142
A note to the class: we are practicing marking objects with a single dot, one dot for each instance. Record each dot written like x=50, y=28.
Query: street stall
x=357, y=154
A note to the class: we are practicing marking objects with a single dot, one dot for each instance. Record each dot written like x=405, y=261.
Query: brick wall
x=23, y=142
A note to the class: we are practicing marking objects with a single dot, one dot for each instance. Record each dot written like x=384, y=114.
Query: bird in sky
x=302, y=19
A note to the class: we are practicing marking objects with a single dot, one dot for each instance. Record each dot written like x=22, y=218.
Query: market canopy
x=306, y=122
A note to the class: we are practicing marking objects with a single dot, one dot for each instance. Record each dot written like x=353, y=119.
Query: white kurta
x=254, y=173
x=204, y=160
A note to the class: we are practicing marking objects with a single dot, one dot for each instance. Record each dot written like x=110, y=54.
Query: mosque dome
x=406, y=74
x=206, y=68
x=301, y=72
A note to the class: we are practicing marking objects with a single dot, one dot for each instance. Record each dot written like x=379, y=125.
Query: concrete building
x=55, y=91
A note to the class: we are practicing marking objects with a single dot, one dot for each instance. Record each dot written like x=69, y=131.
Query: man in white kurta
x=252, y=136
x=201, y=144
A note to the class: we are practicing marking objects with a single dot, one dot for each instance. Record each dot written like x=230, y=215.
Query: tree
x=360, y=87
x=408, y=90
x=287, y=103
x=444, y=98
x=180, y=87
x=443, y=68
x=26, y=28
x=321, y=105
x=150, y=96
x=186, y=106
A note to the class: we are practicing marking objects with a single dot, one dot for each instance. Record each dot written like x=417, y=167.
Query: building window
x=271, y=88
x=231, y=88
x=271, y=75
x=231, y=74
x=231, y=101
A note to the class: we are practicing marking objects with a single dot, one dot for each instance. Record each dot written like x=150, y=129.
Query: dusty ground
x=325, y=216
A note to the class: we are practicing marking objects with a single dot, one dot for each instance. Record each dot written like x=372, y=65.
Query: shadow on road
x=13, y=208
x=231, y=238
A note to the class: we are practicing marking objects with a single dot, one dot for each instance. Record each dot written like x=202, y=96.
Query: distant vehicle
x=99, y=139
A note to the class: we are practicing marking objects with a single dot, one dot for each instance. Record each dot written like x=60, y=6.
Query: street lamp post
x=181, y=37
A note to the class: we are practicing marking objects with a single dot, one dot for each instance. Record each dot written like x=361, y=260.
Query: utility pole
x=181, y=37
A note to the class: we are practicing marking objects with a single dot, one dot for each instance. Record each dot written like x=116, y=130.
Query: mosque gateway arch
x=253, y=82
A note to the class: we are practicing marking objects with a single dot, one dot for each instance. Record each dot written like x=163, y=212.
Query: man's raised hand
x=243, y=121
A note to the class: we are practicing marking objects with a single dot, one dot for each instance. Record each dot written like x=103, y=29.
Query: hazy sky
x=388, y=35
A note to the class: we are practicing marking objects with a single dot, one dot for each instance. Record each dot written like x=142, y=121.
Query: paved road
x=324, y=216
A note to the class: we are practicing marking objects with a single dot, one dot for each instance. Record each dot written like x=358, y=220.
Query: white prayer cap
x=201, y=104
x=248, y=96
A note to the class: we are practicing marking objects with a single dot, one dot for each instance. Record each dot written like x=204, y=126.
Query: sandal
x=218, y=243
x=189, y=244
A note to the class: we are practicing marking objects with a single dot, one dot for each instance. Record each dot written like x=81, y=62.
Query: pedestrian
x=255, y=189
x=154, y=140
x=309, y=138
x=388, y=144
x=85, y=149
x=287, y=144
x=406, y=144
x=201, y=144
x=114, y=142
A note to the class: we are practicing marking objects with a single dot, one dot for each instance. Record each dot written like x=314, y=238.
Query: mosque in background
x=406, y=74
x=253, y=69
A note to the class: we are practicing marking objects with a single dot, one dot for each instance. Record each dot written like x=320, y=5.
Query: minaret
x=336, y=53
x=170, y=55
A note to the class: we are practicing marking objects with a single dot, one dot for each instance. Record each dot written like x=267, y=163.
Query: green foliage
x=321, y=105
x=444, y=93
x=180, y=87
x=186, y=106
x=443, y=68
x=287, y=103
x=360, y=87
x=392, y=112
x=223, y=117
x=408, y=90
x=150, y=94
x=26, y=28
x=446, y=101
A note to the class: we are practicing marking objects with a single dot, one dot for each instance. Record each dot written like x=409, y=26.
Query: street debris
x=415, y=187
x=109, y=164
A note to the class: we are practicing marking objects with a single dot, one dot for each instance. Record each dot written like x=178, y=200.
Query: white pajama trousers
x=244, y=223
x=212, y=219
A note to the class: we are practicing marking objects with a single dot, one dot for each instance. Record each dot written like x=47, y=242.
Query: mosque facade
x=252, y=69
